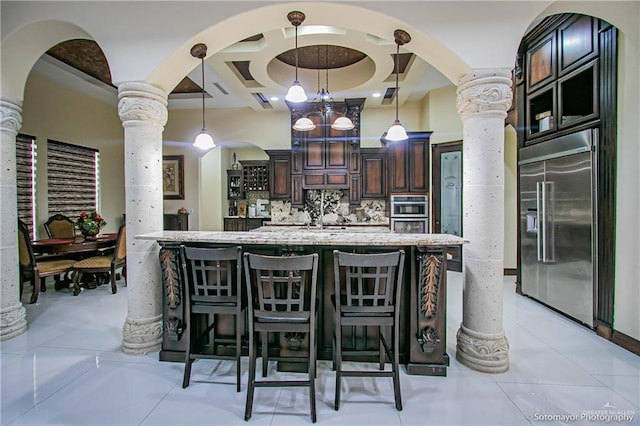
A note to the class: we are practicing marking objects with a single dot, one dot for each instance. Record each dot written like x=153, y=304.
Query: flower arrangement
x=90, y=223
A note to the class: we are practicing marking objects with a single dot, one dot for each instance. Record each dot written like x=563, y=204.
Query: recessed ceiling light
x=274, y=98
x=376, y=95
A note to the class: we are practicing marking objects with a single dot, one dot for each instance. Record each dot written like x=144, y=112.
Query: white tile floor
x=68, y=370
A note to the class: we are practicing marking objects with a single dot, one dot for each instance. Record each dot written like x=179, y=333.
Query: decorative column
x=483, y=99
x=143, y=111
x=13, y=320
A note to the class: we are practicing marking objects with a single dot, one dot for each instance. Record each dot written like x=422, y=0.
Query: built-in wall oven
x=410, y=213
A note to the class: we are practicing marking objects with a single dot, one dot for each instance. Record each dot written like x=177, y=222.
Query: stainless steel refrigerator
x=557, y=224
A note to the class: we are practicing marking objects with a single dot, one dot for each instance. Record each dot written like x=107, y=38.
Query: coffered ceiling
x=257, y=71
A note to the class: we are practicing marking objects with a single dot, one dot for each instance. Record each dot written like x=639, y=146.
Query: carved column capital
x=10, y=115
x=141, y=104
x=485, y=92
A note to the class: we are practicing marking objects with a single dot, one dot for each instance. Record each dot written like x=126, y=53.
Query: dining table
x=78, y=247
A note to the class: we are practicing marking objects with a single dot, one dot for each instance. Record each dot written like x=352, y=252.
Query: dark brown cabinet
x=234, y=224
x=176, y=221
x=242, y=223
x=279, y=174
x=562, y=76
x=326, y=157
x=373, y=172
x=409, y=164
x=235, y=185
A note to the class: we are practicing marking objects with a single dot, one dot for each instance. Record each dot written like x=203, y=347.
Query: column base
x=13, y=321
x=140, y=337
x=484, y=352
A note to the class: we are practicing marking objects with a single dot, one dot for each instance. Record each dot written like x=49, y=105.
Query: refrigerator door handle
x=540, y=220
x=548, y=238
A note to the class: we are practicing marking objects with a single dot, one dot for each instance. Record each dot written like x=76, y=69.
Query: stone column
x=483, y=99
x=143, y=111
x=13, y=320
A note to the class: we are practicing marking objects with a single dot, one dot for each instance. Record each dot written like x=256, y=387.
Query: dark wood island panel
x=423, y=318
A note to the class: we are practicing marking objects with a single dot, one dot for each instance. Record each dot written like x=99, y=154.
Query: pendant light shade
x=204, y=140
x=342, y=123
x=296, y=92
x=396, y=132
x=304, y=124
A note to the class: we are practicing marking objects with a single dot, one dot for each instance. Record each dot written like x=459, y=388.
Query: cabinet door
x=374, y=176
x=398, y=170
x=280, y=174
x=234, y=224
x=418, y=164
x=354, y=190
x=297, y=195
x=337, y=152
x=313, y=154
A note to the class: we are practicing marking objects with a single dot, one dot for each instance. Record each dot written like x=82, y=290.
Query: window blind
x=72, y=177
x=26, y=175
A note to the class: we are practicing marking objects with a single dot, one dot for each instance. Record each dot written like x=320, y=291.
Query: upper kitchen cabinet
x=562, y=67
x=409, y=164
x=325, y=157
x=279, y=174
x=374, y=173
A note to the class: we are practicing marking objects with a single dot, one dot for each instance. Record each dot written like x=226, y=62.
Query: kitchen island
x=422, y=324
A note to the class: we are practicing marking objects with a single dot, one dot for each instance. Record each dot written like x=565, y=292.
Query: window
x=73, y=178
x=26, y=179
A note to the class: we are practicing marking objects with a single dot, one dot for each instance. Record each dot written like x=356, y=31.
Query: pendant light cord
x=296, y=52
x=397, y=71
x=202, y=67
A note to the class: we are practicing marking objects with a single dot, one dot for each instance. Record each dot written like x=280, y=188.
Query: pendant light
x=396, y=132
x=204, y=139
x=296, y=92
x=304, y=124
x=343, y=122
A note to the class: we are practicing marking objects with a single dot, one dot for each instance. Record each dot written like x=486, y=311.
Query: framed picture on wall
x=173, y=177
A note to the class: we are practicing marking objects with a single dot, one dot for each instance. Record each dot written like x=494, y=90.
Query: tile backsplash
x=335, y=208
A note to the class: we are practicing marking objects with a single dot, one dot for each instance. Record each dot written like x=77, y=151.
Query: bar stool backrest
x=281, y=288
x=371, y=283
x=213, y=274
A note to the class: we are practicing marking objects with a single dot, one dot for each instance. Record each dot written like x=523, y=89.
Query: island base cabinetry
x=422, y=322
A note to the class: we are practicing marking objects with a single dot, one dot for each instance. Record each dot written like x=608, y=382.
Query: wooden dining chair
x=59, y=226
x=281, y=298
x=33, y=270
x=368, y=294
x=213, y=290
x=108, y=263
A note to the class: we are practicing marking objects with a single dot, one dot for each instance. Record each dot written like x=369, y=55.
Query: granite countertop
x=315, y=237
x=348, y=224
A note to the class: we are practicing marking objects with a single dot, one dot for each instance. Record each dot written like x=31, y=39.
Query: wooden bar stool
x=368, y=294
x=213, y=288
x=281, y=294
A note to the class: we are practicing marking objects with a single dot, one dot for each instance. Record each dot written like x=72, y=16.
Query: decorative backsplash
x=335, y=209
